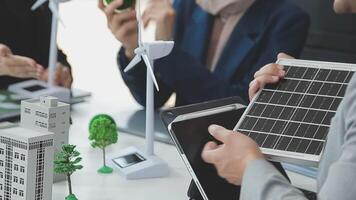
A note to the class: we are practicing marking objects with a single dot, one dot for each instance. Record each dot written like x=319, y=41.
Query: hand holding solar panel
x=268, y=74
x=290, y=120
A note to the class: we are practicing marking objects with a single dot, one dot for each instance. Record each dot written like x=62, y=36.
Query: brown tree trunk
x=69, y=184
x=104, y=156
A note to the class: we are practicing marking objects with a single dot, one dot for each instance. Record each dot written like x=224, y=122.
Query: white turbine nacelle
x=158, y=49
x=149, y=52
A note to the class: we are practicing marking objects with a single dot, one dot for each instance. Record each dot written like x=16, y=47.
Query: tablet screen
x=192, y=135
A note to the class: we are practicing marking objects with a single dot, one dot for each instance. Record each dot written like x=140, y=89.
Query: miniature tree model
x=126, y=4
x=67, y=162
x=103, y=133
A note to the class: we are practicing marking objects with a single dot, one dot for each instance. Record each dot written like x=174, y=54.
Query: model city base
x=105, y=170
x=71, y=197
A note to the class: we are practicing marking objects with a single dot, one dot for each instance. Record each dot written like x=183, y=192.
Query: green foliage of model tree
x=102, y=133
x=67, y=162
x=126, y=4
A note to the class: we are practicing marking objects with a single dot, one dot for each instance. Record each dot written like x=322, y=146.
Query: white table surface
x=89, y=185
x=92, y=50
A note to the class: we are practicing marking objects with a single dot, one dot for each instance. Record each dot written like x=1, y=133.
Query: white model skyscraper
x=26, y=164
x=47, y=114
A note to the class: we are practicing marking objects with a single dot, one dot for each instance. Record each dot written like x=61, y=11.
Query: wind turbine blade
x=133, y=63
x=54, y=9
x=150, y=69
x=139, y=20
x=37, y=4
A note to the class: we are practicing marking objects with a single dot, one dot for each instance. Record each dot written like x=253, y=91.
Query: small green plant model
x=67, y=162
x=102, y=133
x=126, y=4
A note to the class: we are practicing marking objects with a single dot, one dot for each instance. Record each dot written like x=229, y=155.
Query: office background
x=92, y=51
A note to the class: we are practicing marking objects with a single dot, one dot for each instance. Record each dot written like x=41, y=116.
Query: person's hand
x=271, y=73
x=163, y=13
x=17, y=66
x=233, y=156
x=123, y=25
x=4, y=50
x=63, y=76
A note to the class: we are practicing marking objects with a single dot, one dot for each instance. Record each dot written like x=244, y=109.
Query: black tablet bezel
x=194, y=115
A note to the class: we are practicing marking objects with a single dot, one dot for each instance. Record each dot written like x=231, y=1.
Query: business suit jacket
x=337, y=170
x=26, y=32
x=267, y=28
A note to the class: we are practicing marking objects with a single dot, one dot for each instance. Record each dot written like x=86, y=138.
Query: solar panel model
x=290, y=120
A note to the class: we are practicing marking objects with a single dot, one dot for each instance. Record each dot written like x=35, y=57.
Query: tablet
x=190, y=133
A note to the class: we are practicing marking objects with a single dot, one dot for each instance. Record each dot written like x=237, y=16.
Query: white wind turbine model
x=53, y=51
x=40, y=88
x=135, y=164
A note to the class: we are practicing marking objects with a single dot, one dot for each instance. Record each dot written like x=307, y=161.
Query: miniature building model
x=47, y=114
x=26, y=164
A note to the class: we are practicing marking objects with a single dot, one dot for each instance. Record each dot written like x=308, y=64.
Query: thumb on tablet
x=220, y=133
x=208, y=153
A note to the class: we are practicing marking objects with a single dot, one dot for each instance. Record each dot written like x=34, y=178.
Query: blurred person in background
x=24, y=44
